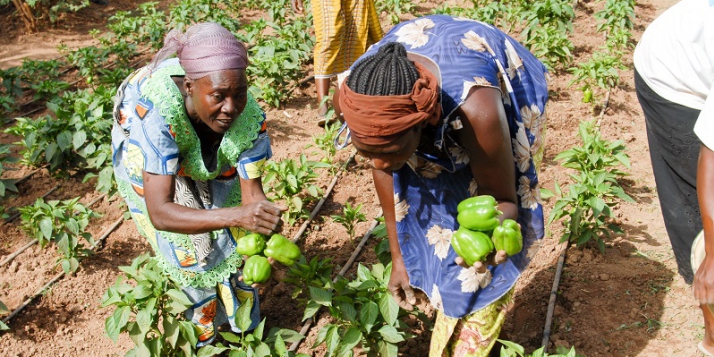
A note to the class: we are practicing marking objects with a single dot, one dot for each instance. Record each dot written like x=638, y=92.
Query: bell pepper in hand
x=257, y=269
x=508, y=237
x=470, y=245
x=282, y=250
x=250, y=244
x=478, y=213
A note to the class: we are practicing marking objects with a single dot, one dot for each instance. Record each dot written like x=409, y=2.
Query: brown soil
x=626, y=302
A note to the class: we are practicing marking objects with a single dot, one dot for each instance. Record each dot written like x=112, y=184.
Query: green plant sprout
x=316, y=273
x=350, y=217
x=587, y=206
x=61, y=222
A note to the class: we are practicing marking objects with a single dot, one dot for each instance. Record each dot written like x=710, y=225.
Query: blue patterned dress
x=427, y=190
x=152, y=133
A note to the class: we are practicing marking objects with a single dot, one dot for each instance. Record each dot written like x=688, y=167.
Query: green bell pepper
x=282, y=250
x=250, y=244
x=478, y=213
x=257, y=269
x=508, y=237
x=470, y=245
x=483, y=200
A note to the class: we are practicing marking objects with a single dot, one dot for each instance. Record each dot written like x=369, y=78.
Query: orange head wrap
x=375, y=119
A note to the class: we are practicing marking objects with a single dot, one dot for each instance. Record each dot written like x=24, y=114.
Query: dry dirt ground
x=626, y=302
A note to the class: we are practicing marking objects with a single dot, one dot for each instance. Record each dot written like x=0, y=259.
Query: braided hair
x=388, y=72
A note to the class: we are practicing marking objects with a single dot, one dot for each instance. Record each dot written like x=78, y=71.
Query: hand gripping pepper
x=470, y=245
x=250, y=244
x=256, y=270
x=478, y=213
x=282, y=250
x=508, y=237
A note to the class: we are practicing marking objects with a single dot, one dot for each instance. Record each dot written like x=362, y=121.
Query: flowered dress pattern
x=427, y=190
x=152, y=133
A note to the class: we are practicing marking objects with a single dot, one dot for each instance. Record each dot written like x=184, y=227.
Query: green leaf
x=387, y=349
x=310, y=310
x=143, y=320
x=208, y=351
x=64, y=140
x=116, y=322
x=78, y=139
x=46, y=227
x=321, y=296
x=390, y=334
x=351, y=338
x=171, y=329
x=242, y=318
x=368, y=315
x=389, y=308
x=188, y=332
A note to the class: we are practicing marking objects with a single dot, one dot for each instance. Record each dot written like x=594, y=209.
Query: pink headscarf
x=204, y=48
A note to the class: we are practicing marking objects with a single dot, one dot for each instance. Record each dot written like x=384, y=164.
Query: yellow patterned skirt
x=472, y=335
x=344, y=30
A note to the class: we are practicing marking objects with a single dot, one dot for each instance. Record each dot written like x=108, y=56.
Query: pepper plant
x=325, y=141
x=599, y=72
x=251, y=343
x=303, y=275
x=350, y=217
x=587, y=205
x=293, y=182
x=61, y=222
x=149, y=307
x=395, y=8
x=364, y=312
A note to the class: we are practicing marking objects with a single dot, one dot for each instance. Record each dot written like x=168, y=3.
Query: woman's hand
x=261, y=217
x=399, y=286
x=495, y=258
x=297, y=6
x=703, y=285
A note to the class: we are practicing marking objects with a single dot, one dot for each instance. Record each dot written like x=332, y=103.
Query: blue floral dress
x=152, y=133
x=427, y=190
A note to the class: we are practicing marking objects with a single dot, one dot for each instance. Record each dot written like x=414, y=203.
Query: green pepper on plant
x=282, y=250
x=257, y=269
x=470, y=245
x=250, y=244
x=478, y=213
x=508, y=237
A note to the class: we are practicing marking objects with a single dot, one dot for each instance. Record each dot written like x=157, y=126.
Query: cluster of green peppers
x=480, y=231
x=257, y=269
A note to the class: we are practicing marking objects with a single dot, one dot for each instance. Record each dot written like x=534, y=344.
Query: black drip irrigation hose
x=554, y=294
x=308, y=324
x=34, y=241
x=60, y=275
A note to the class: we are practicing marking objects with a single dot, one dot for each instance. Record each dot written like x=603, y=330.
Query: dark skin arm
x=704, y=277
x=492, y=165
x=256, y=214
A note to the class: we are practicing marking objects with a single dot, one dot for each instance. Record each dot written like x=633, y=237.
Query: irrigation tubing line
x=61, y=274
x=554, y=294
x=604, y=106
x=317, y=208
x=17, y=214
x=308, y=324
x=28, y=245
x=26, y=177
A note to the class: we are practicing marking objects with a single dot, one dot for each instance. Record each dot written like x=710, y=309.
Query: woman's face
x=218, y=98
x=391, y=156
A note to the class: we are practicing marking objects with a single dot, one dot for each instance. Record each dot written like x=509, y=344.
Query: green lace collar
x=161, y=90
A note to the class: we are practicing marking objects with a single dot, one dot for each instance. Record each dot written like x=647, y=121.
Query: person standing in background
x=344, y=30
x=674, y=78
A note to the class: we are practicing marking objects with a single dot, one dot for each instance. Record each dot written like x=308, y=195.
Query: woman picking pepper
x=446, y=109
x=188, y=140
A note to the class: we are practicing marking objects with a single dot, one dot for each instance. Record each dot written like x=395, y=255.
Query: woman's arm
x=399, y=281
x=486, y=138
x=704, y=276
x=259, y=216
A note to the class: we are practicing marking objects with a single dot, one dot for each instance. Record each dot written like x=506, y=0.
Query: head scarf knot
x=204, y=48
x=375, y=119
